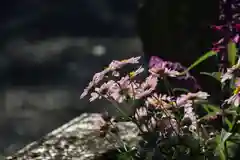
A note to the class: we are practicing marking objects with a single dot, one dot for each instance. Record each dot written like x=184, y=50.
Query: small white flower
x=189, y=113
x=137, y=72
x=235, y=98
x=200, y=95
x=94, y=96
x=119, y=64
x=115, y=74
x=140, y=112
x=160, y=101
x=227, y=75
x=236, y=39
x=168, y=126
x=188, y=99
x=230, y=71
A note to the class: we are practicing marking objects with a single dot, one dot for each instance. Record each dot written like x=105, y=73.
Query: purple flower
x=159, y=68
x=154, y=60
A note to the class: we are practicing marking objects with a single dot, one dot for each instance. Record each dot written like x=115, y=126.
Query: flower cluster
x=112, y=67
x=123, y=89
x=185, y=117
x=111, y=85
x=165, y=114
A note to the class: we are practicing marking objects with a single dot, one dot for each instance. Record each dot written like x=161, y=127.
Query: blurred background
x=48, y=53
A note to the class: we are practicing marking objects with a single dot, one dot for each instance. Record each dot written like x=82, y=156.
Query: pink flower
x=150, y=82
x=236, y=39
x=147, y=87
x=237, y=26
x=237, y=82
x=102, y=91
x=218, y=28
x=119, y=91
x=119, y=64
x=187, y=99
x=217, y=46
x=219, y=42
x=126, y=87
x=112, y=67
x=96, y=79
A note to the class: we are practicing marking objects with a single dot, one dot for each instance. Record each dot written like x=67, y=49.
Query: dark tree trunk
x=180, y=31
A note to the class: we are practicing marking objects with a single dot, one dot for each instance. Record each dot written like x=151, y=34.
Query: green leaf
x=235, y=138
x=123, y=156
x=149, y=155
x=231, y=149
x=221, y=141
x=199, y=60
x=222, y=155
x=228, y=123
x=181, y=90
x=211, y=107
x=211, y=110
x=216, y=75
x=223, y=145
x=206, y=117
x=206, y=108
x=232, y=52
x=220, y=148
x=224, y=136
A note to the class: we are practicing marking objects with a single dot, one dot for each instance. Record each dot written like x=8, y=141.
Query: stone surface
x=77, y=140
x=49, y=51
x=44, y=79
